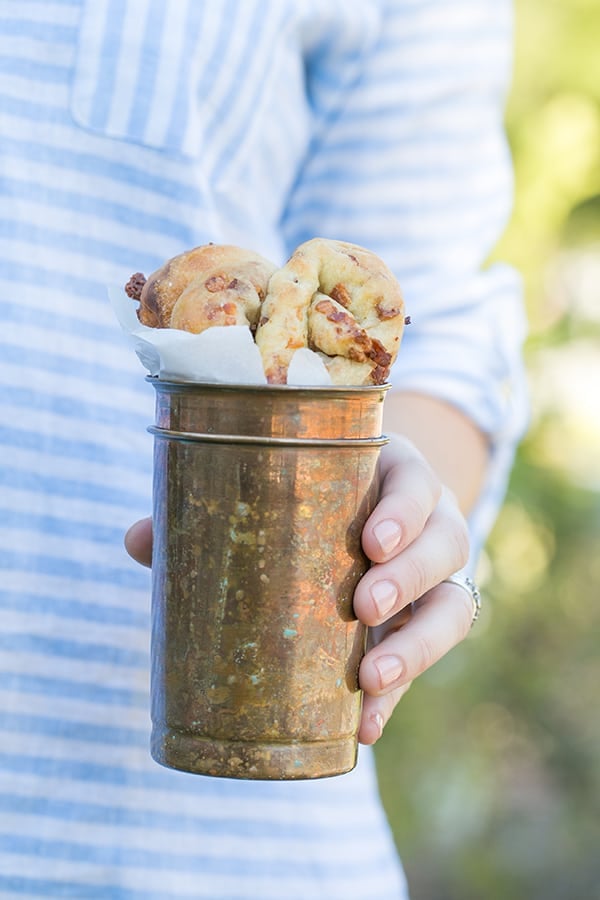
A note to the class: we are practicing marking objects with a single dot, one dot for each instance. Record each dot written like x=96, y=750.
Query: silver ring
x=472, y=590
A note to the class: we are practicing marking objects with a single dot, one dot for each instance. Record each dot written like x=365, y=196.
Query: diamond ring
x=468, y=585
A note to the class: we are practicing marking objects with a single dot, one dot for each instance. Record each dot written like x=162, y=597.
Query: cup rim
x=172, y=386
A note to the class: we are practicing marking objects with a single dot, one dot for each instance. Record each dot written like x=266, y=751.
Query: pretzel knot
x=209, y=285
x=339, y=300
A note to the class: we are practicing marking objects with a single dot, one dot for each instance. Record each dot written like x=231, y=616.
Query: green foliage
x=489, y=769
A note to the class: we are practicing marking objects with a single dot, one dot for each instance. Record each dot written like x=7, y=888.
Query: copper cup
x=260, y=497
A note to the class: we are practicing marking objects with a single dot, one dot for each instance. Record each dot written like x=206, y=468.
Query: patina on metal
x=260, y=497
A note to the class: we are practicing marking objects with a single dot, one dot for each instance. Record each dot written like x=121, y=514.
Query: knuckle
x=425, y=653
x=414, y=513
x=435, y=485
x=461, y=544
x=467, y=619
x=429, y=478
x=388, y=703
x=417, y=578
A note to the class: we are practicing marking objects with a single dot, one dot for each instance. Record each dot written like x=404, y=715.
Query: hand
x=415, y=537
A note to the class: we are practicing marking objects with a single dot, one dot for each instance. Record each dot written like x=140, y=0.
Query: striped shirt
x=133, y=130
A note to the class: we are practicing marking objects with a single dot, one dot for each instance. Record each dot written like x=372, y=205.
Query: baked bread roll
x=339, y=300
x=216, y=284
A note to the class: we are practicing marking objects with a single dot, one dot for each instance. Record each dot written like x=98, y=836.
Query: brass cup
x=260, y=497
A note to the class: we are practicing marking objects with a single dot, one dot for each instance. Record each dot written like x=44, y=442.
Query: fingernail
x=384, y=596
x=387, y=534
x=377, y=720
x=389, y=668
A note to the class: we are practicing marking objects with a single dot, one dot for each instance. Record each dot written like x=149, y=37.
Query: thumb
x=138, y=541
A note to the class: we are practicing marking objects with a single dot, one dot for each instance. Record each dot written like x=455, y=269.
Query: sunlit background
x=490, y=770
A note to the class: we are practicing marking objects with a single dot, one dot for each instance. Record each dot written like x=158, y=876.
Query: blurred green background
x=490, y=768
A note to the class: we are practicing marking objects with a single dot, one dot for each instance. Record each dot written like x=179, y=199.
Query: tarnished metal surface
x=255, y=648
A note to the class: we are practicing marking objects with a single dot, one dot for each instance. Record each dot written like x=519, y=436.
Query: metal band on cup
x=468, y=585
x=211, y=438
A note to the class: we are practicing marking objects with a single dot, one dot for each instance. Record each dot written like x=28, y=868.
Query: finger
x=440, y=620
x=376, y=713
x=138, y=541
x=376, y=634
x=441, y=549
x=376, y=710
x=409, y=493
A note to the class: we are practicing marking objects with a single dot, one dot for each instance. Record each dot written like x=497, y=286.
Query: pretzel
x=336, y=298
x=341, y=301
x=209, y=285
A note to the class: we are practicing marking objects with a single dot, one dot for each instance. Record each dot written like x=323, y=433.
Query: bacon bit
x=227, y=310
x=262, y=321
x=356, y=355
x=387, y=313
x=379, y=354
x=277, y=375
x=215, y=283
x=351, y=330
x=382, y=360
x=134, y=286
x=379, y=374
x=340, y=294
x=407, y=320
x=330, y=312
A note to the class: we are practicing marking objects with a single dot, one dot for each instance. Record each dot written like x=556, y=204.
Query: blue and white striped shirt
x=132, y=130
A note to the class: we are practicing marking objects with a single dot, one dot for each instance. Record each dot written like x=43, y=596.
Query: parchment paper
x=222, y=354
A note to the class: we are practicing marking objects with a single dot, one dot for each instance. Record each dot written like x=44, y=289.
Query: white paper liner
x=223, y=354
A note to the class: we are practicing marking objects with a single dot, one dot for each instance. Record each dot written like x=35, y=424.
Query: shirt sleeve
x=412, y=162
